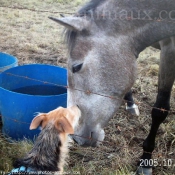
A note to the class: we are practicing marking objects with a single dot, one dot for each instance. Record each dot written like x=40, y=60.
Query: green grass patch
x=10, y=151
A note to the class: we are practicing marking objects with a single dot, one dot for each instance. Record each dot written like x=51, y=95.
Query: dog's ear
x=63, y=125
x=37, y=121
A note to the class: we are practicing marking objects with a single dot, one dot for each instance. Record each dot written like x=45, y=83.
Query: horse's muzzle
x=92, y=138
x=85, y=141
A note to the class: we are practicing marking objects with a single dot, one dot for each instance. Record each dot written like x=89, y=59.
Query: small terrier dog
x=50, y=149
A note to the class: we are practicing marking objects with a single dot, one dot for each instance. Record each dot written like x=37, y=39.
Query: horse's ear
x=37, y=121
x=73, y=23
x=63, y=126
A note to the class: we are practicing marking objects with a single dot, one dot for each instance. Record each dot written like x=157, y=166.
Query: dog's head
x=64, y=119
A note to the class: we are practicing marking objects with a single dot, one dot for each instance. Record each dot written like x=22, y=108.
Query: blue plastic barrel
x=7, y=61
x=24, y=91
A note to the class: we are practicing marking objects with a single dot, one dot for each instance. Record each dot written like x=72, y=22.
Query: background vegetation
x=27, y=33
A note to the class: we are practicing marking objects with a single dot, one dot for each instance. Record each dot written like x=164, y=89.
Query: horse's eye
x=76, y=67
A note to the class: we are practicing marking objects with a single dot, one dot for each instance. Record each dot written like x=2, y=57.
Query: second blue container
x=24, y=90
x=7, y=61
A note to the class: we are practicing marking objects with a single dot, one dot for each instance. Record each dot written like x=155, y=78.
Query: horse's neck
x=144, y=22
x=152, y=32
x=151, y=21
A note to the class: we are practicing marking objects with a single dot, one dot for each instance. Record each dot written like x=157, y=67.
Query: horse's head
x=100, y=64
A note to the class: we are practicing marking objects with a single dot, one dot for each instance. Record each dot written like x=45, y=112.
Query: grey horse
x=104, y=39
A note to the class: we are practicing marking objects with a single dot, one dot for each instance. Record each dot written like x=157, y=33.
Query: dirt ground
x=27, y=33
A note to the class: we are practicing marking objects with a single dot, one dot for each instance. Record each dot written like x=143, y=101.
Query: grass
x=52, y=5
x=33, y=38
x=75, y=2
x=10, y=150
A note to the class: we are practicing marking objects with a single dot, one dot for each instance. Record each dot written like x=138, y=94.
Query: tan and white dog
x=50, y=149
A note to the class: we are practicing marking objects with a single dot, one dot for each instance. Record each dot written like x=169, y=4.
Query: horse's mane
x=90, y=6
x=70, y=35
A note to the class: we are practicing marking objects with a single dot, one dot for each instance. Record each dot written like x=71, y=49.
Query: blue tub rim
x=15, y=60
x=41, y=96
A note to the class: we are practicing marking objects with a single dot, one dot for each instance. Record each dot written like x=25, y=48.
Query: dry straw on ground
x=33, y=38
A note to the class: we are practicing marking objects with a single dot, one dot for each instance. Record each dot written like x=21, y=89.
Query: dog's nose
x=76, y=109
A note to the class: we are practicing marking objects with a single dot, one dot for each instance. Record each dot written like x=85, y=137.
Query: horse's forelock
x=70, y=36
